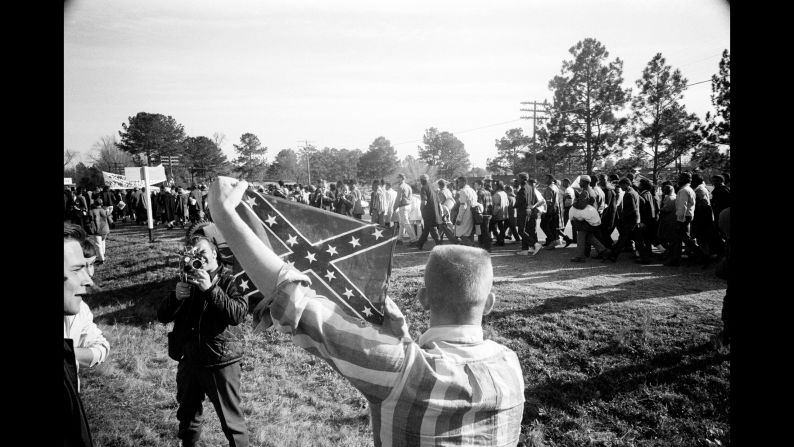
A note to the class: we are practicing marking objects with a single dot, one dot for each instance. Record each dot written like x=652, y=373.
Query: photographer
x=206, y=307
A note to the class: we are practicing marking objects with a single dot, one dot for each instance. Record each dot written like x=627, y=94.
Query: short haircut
x=613, y=177
x=624, y=181
x=197, y=238
x=508, y=189
x=72, y=232
x=523, y=176
x=499, y=185
x=478, y=182
x=667, y=189
x=630, y=176
x=697, y=178
x=685, y=176
x=401, y=175
x=566, y=180
x=442, y=183
x=458, y=278
x=463, y=179
x=89, y=248
x=549, y=176
x=424, y=177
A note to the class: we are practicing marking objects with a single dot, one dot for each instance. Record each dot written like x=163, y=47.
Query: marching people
x=586, y=233
x=533, y=205
x=684, y=212
x=501, y=204
x=631, y=225
x=720, y=200
x=486, y=213
x=377, y=203
x=462, y=211
x=402, y=208
x=389, y=216
x=703, y=229
x=608, y=212
x=431, y=213
x=395, y=373
x=553, y=221
x=446, y=202
x=99, y=222
x=206, y=308
x=667, y=218
x=649, y=214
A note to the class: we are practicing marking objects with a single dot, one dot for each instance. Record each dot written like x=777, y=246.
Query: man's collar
x=465, y=333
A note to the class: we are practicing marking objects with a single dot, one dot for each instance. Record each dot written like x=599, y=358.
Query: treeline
x=594, y=124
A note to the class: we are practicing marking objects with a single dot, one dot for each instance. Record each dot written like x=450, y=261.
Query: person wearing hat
x=586, y=234
x=684, y=212
x=631, y=224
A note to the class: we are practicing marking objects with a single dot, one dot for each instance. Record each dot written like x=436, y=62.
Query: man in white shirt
x=402, y=206
x=391, y=196
x=684, y=212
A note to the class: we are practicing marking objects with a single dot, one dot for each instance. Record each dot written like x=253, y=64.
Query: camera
x=189, y=260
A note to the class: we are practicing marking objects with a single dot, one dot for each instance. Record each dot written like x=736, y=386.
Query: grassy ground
x=612, y=354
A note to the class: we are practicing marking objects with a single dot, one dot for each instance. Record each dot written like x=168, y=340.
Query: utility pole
x=308, y=156
x=544, y=109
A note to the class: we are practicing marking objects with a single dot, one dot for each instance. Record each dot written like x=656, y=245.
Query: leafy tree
x=379, y=161
x=250, y=162
x=68, y=156
x=477, y=172
x=658, y=117
x=511, y=150
x=587, y=93
x=89, y=177
x=151, y=135
x=443, y=149
x=203, y=157
x=333, y=164
x=106, y=156
x=285, y=166
x=716, y=130
x=413, y=168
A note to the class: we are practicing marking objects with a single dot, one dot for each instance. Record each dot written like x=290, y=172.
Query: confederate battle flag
x=348, y=260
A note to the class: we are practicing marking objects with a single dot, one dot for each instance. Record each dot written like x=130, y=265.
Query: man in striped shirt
x=451, y=387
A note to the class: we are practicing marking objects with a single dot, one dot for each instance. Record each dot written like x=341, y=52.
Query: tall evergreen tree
x=151, y=135
x=250, y=161
x=445, y=150
x=587, y=93
x=379, y=161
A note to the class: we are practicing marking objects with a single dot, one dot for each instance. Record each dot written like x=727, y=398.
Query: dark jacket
x=76, y=430
x=205, y=324
x=610, y=207
x=631, y=209
x=584, y=197
x=649, y=209
x=429, y=207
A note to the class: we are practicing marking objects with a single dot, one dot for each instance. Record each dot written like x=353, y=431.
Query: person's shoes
x=568, y=241
x=523, y=252
x=577, y=259
x=537, y=249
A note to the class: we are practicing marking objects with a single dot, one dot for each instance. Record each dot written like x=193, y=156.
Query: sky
x=342, y=73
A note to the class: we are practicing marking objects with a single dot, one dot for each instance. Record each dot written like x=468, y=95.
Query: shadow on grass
x=140, y=303
x=640, y=289
x=665, y=368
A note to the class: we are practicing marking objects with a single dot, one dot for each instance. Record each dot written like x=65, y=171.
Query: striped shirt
x=449, y=388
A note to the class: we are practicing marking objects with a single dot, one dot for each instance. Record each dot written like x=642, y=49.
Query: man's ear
x=422, y=295
x=490, y=300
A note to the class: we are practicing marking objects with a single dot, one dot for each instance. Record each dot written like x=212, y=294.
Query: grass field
x=612, y=354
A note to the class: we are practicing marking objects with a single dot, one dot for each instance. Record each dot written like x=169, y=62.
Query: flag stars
x=331, y=250
x=367, y=312
x=271, y=220
x=378, y=234
x=251, y=201
x=330, y=275
x=290, y=263
x=310, y=256
x=244, y=285
x=292, y=240
x=348, y=293
x=354, y=242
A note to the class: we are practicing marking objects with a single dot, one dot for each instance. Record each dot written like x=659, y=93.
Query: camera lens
x=197, y=264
